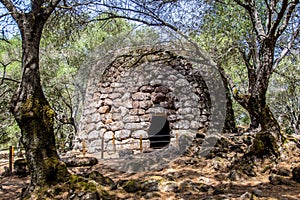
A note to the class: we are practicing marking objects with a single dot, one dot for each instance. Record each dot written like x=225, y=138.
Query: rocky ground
x=221, y=174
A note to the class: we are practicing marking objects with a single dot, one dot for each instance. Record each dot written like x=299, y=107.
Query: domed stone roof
x=144, y=99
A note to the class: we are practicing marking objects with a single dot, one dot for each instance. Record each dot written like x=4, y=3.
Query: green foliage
x=227, y=34
x=60, y=62
x=222, y=36
x=284, y=93
x=63, y=50
x=9, y=73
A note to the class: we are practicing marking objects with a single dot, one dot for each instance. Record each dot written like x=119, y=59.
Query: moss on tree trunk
x=35, y=118
x=269, y=139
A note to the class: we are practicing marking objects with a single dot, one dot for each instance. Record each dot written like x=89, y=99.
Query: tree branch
x=246, y=58
x=5, y=14
x=10, y=79
x=280, y=15
x=271, y=10
x=255, y=19
x=245, y=5
x=5, y=40
x=240, y=98
x=4, y=72
x=287, y=48
x=290, y=10
x=6, y=91
x=51, y=6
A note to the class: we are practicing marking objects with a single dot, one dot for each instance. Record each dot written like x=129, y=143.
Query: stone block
x=185, y=111
x=117, y=84
x=155, y=110
x=107, y=102
x=95, y=118
x=189, y=117
x=140, y=96
x=126, y=96
x=119, y=90
x=117, y=117
x=138, y=133
x=201, y=104
x=135, y=104
x=124, y=111
x=108, y=136
x=96, y=103
x=155, y=82
x=96, y=144
x=172, y=77
x=166, y=104
x=161, y=89
x=127, y=104
x=181, y=83
x=133, y=126
x=114, y=95
x=158, y=97
x=122, y=134
x=137, y=112
x=196, y=112
x=102, y=131
x=178, y=104
x=182, y=124
x=147, y=89
x=131, y=118
x=103, y=96
x=90, y=127
x=145, y=118
x=107, y=90
x=205, y=111
x=145, y=104
x=114, y=126
x=105, y=84
x=190, y=103
x=105, y=117
x=93, y=135
x=196, y=125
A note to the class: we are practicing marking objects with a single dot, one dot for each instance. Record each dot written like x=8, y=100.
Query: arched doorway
x=159, y=131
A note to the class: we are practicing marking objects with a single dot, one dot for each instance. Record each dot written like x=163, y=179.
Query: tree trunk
x=254, y=124
x=34, y=114
x=229, y=124
x=268, y=140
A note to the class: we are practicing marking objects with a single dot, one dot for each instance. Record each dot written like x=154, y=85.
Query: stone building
x=143, y=99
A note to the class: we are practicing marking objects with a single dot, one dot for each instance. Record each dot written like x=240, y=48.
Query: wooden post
x=141, y=143
x=114, y=143
x=177, y=137
x=102, y=147
x=83, y=147
x=11, y=158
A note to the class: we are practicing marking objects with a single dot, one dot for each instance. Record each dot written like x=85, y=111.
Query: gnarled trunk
x=269, y=138
x=34, y=114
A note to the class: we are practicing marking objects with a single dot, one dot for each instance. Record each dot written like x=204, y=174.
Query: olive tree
x=29, y=104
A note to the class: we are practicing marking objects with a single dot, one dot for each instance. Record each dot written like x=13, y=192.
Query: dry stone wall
x=135, y=86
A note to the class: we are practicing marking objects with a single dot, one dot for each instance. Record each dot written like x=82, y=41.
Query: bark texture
x=229, y=124
x=261, y=62
x=29, y=104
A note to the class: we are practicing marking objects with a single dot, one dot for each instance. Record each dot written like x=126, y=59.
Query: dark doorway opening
x=159, y=132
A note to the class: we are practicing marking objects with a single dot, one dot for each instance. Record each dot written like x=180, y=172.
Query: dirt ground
x=201, y=171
